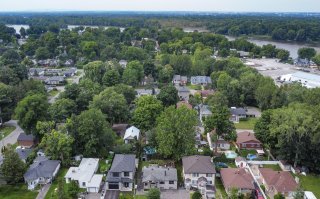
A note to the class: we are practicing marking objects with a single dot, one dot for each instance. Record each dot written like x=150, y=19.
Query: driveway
x=13, y=136
x=112, y=194
x=175, y=194
x=43, y=192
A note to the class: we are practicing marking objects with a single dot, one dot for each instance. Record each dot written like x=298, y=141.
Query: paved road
x=43, y=192
x=13, y=136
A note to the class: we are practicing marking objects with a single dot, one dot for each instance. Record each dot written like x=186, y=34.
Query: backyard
x=247, y=124
x=53, y=92
x=16, y=192
x=220, y=191
x=311, y=183
x=5, y=131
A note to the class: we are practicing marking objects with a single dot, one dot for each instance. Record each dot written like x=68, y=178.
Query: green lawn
x=245, y=152
x=311, y=183
x=141, y=197
x=5, y=131
x=220, y=191
x=16, y=192
x=248, y=124
x=53, y=93
x=194, y=87
x=274, y=167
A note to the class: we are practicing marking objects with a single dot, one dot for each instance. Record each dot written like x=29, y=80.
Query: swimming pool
x=231, y=154
x=251, y=156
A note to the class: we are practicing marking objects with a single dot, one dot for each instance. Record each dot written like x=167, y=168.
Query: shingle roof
x=156, y=174
x=282, y=181
x=123, y=162
x=131, y=133
x=238, y=111
x=236, y=178
x=41, y=169
x=246, y=136
x=24, y=153
x=25, y=137
x=201, y=80
x=198, y=164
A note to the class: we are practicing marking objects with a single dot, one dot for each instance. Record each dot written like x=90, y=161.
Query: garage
x=114, y=186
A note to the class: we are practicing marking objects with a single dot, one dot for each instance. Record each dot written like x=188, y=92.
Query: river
x=292, y=47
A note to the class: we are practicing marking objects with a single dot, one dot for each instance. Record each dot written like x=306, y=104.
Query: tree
x=306, y=53
x=299, y=194
x=127, y=91
x=217, y=99
x=133, y=74
x=92, y=135
x=95, y=71
x=153, y=193
x=196, y=195
x=58, y=146
x=73, y=189
x=45, y=127
x=112, y=104
x=316, y=60
x=62, y=109
x=168, y=95
x=181, y=64
x=147, y=110
x=42, y=53
x=6, y=102
x=234, y=193
x=23, y=32
x=279, y=196
x=174, y=129
x=134, y=53
x=283, y=55
x=264, y=92
x=30, y=110
x=111, y=78
x=12, y=167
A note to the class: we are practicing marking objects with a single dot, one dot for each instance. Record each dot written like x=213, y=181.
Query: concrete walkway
x=13, y=136
x=43, y=192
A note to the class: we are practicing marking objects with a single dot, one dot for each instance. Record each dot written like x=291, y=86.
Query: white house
x=131, y=134
x=221, y=143
x=41, y=172
x=240, y=162
x=85, y=175
x=155, y=176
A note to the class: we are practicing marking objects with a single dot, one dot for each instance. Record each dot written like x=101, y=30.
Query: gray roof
x=24, y=153
x=180, y=78
x=41, y=169
x=198, y=164
x=123, y=162
x=238, y=111
x=205, y=110
x=55, y=78
x=182, y=89
x=201, y=80
x=156, y=174
x=25, y=137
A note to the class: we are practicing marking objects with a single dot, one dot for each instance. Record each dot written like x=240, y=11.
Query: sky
x=162, y=5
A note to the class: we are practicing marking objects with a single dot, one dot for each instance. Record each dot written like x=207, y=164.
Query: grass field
x=274, y=167
x=249, y=124
x=311, y=183
x=16, y=192
x=5, y=131
x=53, y=93
x=220, y=191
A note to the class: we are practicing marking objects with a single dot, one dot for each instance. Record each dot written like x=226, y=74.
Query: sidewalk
x=43, y=192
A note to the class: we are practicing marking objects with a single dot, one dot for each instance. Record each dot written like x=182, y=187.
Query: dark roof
x=41, y=169
x=198, y=164
x=123, y=162
x=25, y=137
x=120, y=129
x=238, y=111
x=24, y=153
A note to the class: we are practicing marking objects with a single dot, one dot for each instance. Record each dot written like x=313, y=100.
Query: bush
x=153, y=194
x=196, y=195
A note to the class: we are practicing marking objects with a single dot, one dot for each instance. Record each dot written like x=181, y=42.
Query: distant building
x=179, y=80
x=247, y=140
x=123, y=63
x=204, y=111
x=306, y=79
x=200, y=80
x=26, y=141
x=131, y=134
x=302, y=62
x=237, y=113
x=55, y=80
x=238, y=178
x=183, y=93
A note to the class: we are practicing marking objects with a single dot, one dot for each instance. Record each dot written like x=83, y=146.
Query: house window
x=126, y=174
x=194, y=182
x=145, y=184
x=209, y=175
x=209, y=182
x=115, y=174
x=195, y=175
x=126, y=184
x=171, y=182
x=161, y=182
x=83, y=184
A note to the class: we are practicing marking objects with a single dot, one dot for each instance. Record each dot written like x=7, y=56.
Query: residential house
x=201, y=80
x=26, y=141
x=23, y=153
x=36, y=71
x=205, y=93
x=236, y=114
x=238, y=178
x=85, y=175
x=183, y=93
x=204, y=111
x=243, y=54
x=198, y=172
x=301, y=62
x=121, y=174
x=41, y=172
x=180, y=80
x=120, y=129
x=70, y=72
x=240, y=162
x=142, y=92
x=55, y=80
x=155, y=176
x=221, y=144
x=247, y=140
x=53, y=72
x=69, y=63
x=132, y=133
x=278, y=182
x=285, y=166
x=199, y=141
